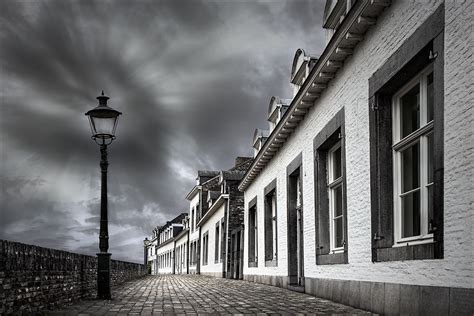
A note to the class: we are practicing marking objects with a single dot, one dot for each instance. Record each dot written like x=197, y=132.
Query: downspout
x=187, y=251
x=224, y=242
x=173, y=271
x=227, y=237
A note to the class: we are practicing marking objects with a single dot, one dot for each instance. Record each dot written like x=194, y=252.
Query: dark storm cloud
x=193, y=79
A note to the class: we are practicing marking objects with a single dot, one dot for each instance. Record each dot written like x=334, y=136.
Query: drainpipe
x=224, y=242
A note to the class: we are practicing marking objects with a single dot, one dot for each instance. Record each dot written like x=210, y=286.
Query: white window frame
x=399, y=144
x=332, y=185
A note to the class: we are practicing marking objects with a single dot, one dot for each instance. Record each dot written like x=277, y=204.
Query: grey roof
x=233, y=175
x=207, y=173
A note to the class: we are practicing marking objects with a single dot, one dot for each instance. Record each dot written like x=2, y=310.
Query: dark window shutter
x=438, y=161
x=323, y=245
x=380, y=118
x=268, y=228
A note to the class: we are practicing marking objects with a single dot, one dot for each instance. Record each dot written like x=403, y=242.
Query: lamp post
x=103, y=121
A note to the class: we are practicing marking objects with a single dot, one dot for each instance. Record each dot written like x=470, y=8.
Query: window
x=197, y=215
x=270, y=224
x=205, y=245
x=412, y=122
x=192, y=219
x=253, y=233
x=335, y=189
x=216, y=247
x=406, y=100
x=331, y=210
x=223, y=238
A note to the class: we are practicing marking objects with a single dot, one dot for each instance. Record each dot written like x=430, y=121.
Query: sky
x=193, y=80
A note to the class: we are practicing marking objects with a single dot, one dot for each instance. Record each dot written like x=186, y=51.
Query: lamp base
x=103, y=276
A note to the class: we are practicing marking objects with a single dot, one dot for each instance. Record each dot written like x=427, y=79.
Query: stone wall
x=34, y=278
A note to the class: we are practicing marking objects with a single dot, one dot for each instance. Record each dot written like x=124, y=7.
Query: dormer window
x=302, y=65
x=276, y=110
x=334, y=13
x=259, y=138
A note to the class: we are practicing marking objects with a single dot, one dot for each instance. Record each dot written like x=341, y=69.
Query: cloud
x=192, y=78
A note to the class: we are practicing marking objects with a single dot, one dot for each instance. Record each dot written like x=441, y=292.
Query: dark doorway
x=295, y=230
x=236, y=260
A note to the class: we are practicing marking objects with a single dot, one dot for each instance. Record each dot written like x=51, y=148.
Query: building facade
x=209, y=240
x=161, y=248
x=362, y=190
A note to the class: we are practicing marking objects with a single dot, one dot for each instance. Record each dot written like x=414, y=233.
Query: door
x=295, y=230
x=236, y=262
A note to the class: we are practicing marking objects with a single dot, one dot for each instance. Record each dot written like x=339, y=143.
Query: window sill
x=271, y=263
x=420, y=251
x=419, y=240
x=253, y=264
x=332, y=258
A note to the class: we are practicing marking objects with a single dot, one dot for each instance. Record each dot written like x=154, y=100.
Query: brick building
x=361, y=191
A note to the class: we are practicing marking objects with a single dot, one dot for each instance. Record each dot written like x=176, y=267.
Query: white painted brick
x=210, y=227
x=350, y=90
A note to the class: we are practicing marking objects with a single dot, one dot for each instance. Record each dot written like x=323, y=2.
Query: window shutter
x=438, y=160
x=268, y=228
x=323, y=245
x=380, y=118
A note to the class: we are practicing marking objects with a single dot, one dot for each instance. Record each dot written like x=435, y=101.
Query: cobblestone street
x=187, y=294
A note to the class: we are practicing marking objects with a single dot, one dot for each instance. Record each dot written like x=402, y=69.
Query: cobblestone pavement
x=195, y=294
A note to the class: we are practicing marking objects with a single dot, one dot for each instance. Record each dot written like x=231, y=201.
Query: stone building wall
x=34, y=278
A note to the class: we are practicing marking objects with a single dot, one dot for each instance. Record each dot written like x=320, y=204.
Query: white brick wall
x=168, y=248
x=210, y=226
x=182, y=242
x=350, y=90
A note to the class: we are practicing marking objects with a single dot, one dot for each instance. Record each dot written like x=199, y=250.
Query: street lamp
x=103, y=121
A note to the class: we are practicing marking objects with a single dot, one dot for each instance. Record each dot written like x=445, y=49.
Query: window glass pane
x=337, y=201
x=430, y=158
x=410, y=111
x=337, y=170
x=410, y=168
x=430, y=98
x=411, y=214
x=338, y=232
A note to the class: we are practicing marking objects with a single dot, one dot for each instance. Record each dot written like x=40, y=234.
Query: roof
x=193, y=192
x=233, y=175
x=207, y=173
x=361, y=16
x=177, y=220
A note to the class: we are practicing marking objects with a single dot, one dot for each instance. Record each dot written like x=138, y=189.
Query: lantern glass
x=103, y=127
x=103, y=120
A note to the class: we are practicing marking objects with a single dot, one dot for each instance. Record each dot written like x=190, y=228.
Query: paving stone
x=201, y=295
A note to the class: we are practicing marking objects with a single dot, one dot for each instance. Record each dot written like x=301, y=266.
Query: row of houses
x=361, y=189
x=200, y=241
